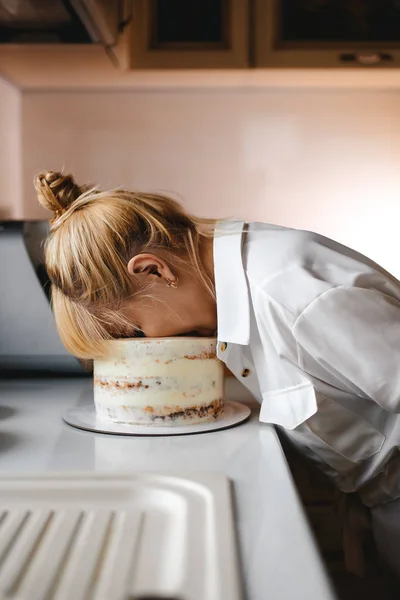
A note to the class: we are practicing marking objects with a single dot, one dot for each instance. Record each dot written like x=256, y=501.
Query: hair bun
x=56, y=191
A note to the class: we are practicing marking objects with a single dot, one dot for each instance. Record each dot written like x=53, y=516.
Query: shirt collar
x=233, y=307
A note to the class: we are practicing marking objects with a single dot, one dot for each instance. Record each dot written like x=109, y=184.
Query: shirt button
x=224, y=346
x=246, y=372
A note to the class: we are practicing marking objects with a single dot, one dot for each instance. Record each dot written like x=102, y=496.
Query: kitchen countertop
x=277, y=550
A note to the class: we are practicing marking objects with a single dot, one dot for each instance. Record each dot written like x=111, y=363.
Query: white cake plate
x=84, y=417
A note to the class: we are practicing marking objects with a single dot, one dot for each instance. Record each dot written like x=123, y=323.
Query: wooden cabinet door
x=174, y=34
x=327, y=33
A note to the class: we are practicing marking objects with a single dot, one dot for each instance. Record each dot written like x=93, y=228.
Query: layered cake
x=166, y=381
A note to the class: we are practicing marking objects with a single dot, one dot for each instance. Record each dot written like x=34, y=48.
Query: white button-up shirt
x=312, y=329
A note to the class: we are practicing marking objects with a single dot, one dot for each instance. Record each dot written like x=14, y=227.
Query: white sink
x=86, y=536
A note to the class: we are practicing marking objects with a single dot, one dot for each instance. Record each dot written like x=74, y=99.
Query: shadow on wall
x=5, y=214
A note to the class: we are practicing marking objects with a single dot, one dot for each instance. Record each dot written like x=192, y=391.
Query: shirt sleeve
x=350, y=337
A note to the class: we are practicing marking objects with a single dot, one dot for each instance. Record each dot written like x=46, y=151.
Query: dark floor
x=318, y=497
x=378, y=587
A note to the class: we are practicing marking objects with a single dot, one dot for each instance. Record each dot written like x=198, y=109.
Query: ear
x=151, y=268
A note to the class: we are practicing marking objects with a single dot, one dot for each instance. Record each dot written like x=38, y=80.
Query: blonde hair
x=93, y=235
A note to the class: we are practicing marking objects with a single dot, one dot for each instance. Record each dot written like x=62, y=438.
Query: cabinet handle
x=374, y=58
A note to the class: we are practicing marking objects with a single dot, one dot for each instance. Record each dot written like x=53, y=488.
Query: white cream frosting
x=148, y=380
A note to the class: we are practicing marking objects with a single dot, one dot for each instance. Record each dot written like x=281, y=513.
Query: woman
x=309, y=326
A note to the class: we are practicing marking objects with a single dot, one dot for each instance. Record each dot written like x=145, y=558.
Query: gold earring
x=172, y=284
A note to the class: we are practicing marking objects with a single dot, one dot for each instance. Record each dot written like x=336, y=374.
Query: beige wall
x=324, y=160
x=10, y=151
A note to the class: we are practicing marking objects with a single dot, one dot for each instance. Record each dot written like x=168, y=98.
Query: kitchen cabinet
x=327, y=33
x=213, y=42
x=176, y=34
x=69, y=24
